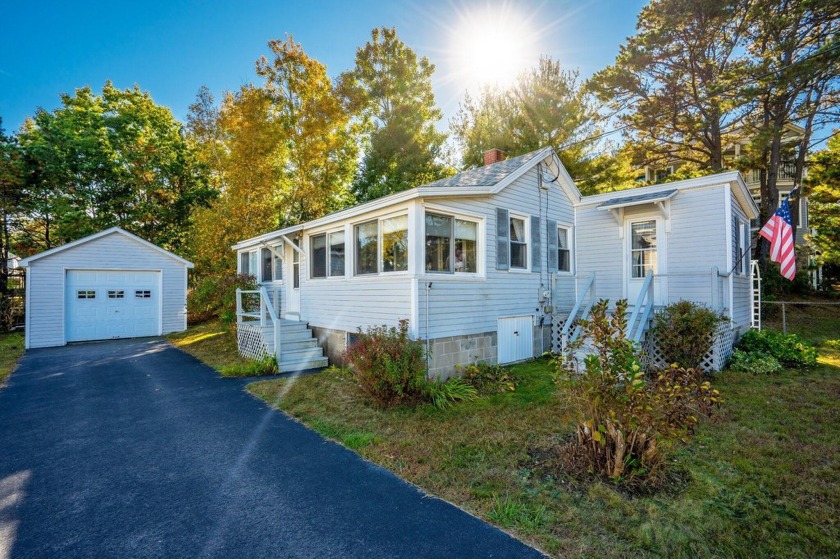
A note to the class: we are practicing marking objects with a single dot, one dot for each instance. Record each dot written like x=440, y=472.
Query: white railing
x=588, y=292
x=266, y=313
x=641, y=311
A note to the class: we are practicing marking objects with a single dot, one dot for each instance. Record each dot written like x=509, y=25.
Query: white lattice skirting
x=715, y=360
x=251, y=342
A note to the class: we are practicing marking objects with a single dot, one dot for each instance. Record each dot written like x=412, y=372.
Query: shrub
x=684, y=333
x=626, y=420
x=444, y=394
x=832, y=344
x=387, y=365
x=488, y=379
x=789, y=349
x=758, y=363
x=214, y=295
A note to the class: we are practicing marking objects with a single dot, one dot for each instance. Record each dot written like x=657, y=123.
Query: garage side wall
x=46, y=276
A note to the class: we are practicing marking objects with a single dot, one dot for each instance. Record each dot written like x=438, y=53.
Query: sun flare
x=492, y=47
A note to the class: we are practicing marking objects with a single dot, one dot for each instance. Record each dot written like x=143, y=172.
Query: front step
x=299, y=349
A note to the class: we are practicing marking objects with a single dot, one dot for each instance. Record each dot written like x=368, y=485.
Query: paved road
x=134, y=449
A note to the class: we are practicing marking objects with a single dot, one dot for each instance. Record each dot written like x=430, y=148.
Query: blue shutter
x=502, y=239
x=551, y=235
x=536, y=259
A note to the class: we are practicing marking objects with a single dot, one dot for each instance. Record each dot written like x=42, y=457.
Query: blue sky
x=172, y=48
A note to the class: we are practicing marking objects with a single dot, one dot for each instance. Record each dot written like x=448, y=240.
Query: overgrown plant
x=487, y=378
x=789, y=349
x=757, y=363
x=388, y=365
x=626, y=420
x=214, y=295
x=684, y=333
x=442, y=394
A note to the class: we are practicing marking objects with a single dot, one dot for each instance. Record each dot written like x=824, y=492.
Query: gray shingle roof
x=487, y=175
x=638, y=198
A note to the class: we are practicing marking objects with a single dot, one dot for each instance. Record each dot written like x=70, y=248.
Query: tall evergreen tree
x=673, y=85
x=390, y=90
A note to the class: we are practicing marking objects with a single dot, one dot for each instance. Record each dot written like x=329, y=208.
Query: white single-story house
x=108, y=285
x=491, y=264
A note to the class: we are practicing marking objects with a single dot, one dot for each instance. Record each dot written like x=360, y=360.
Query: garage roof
x=113, y=230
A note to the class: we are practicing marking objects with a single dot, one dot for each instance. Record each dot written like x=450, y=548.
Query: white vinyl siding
x=46, y=278
x=472, y=305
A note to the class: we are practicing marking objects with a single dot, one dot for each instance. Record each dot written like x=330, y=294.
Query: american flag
x=779, y=231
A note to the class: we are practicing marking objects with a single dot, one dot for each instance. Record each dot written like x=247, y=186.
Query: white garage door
x=105, y=304
x=515, y=339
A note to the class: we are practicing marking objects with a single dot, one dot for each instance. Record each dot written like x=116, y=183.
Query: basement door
x=106, y=304
x=515, y=339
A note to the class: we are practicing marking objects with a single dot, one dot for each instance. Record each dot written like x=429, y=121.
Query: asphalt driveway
x=134, y=449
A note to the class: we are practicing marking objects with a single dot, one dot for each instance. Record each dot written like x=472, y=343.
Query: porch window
x=266, y=265
x=518, y=244
x=451, y=244
x=248, y=263
x=395, y=244
x=278, y=263
x=318, y=255
x=337, y=253
x=296, y=266
x=327, y=253
x=564, y=252
x=643, y=248
x=367, y=247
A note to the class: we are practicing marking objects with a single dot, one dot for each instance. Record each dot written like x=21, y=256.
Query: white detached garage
x=109, y=285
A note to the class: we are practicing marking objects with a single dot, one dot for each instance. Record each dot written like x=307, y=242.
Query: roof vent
x=493, y=156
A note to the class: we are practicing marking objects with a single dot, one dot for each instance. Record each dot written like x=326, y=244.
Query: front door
x=292, y=306
x=644, y=239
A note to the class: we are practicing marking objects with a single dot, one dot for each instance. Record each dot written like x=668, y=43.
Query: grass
x=760, y=479
x=215, y=346
x=11, y=349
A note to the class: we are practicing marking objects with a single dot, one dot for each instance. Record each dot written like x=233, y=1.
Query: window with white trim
x=116, y=294
x=248, y=263
x=643, y=248
x=327, y=254
x=85, y=294
x=518, y=243
x=451, y=244
x=143, y=294
x=277, y=263
x=382, y=245
x=564, y=250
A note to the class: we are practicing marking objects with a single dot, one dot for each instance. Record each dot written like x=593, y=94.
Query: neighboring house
x=488, y=265
x=13, y=262
x=791, y=137
x=109, y=285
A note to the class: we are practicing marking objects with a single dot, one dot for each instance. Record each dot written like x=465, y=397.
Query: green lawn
x=214, y=345
x=761, y=479
x=11, y=348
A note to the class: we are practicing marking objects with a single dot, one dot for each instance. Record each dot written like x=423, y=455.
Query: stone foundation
x=334, y=343
x=446, y=353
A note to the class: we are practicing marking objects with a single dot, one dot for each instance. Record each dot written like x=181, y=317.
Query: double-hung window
x=518, y=244
x=381, y=246
x=327, y=254
x=451, y=244
x=278, y=263
x=564, y=251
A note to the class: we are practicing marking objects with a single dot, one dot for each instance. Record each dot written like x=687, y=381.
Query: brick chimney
x=493, y=156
